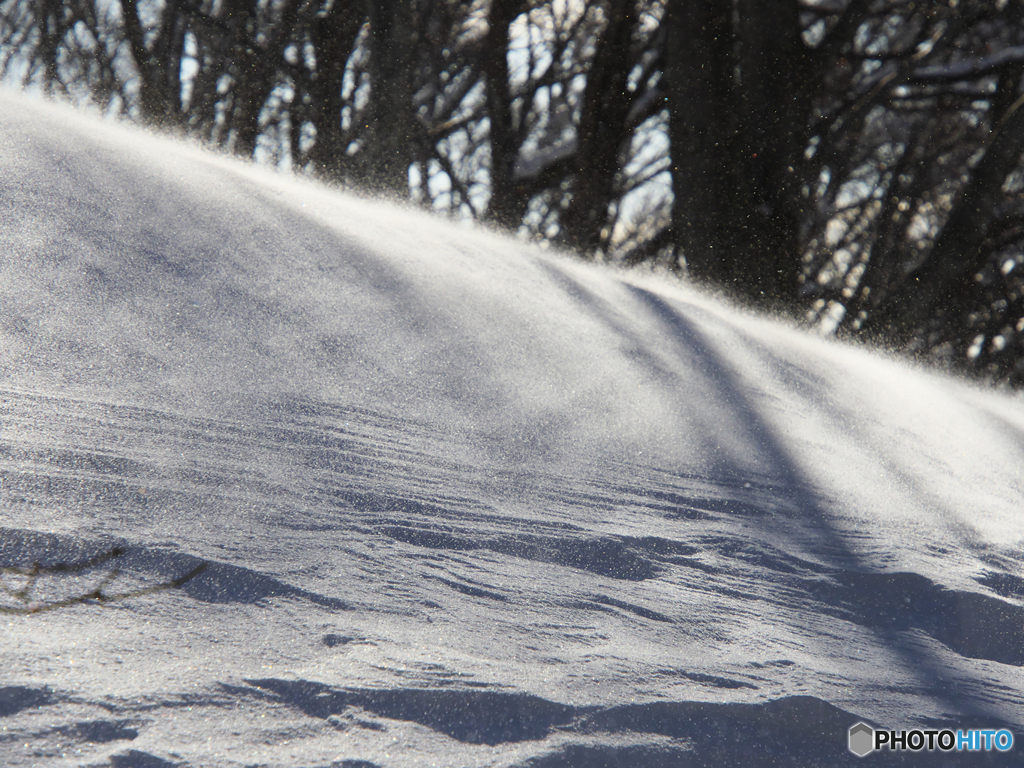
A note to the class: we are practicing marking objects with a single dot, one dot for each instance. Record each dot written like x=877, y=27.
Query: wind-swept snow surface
x=463, y=503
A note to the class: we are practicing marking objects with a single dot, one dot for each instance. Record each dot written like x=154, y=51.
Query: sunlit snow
x=464, y=502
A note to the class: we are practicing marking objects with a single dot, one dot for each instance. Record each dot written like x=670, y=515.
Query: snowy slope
x=463, y=502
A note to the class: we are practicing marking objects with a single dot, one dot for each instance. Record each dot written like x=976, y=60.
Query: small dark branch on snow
x=24, y=594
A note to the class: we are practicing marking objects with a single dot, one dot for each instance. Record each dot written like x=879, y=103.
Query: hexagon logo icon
x=862, y=739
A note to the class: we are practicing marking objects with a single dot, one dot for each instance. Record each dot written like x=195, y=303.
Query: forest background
x=853, y=163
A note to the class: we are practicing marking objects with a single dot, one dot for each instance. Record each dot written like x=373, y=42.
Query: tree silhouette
x=856, y=163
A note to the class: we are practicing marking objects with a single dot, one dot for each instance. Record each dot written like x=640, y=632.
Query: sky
x=460, y=501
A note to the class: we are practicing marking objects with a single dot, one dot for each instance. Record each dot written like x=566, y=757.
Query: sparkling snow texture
x=464, y=502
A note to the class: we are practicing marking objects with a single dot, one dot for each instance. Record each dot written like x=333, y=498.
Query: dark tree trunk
x=256, y=56
x=51, y=31
x=159, y=64
x=773, y=96
x=739, y=96
x=248, y=95
x=334, y=37
x=507, y=204
x=602, y=132
x=698, y=81
x=390, y=130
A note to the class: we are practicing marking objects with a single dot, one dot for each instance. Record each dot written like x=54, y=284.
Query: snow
x=463, y=502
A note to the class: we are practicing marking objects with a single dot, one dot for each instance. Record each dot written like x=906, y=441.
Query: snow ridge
x=461, y=502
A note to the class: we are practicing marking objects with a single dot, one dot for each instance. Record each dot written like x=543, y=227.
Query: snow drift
x=463, y=502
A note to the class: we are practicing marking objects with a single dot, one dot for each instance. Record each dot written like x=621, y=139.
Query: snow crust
x=464, y=502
